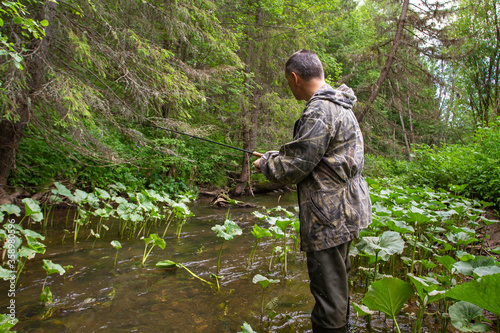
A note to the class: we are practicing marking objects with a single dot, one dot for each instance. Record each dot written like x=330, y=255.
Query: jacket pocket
x=327, y=206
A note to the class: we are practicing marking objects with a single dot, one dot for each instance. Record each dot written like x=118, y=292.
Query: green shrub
x=475, y=166
x=159, y=164
x=377, y=166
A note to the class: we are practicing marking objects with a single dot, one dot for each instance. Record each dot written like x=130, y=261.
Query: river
x=97, y=296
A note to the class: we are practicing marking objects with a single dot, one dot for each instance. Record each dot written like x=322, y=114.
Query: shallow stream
x=96, y=296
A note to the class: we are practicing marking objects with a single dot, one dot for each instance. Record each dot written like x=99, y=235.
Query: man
x=325, y=160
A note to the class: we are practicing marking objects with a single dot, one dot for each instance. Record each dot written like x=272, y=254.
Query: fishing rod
x=254, y=153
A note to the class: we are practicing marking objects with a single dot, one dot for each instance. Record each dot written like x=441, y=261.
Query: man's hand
x=256, y=165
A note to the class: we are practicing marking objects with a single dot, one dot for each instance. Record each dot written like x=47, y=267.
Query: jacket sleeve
x=298, y=158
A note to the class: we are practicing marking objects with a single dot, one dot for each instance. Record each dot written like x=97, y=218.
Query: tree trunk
x=252, y=114
x=244, y=177
x=399, y=106
x=11, y=130
x=388, y=63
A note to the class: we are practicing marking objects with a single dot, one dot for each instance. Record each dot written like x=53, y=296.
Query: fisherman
x=325, y=160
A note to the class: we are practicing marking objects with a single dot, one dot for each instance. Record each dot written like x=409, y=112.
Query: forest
x=94, y=94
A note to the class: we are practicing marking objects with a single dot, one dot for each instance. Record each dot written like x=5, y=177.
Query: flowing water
x=96, y=296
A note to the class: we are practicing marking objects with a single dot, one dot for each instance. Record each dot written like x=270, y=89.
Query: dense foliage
x=78, y=77
x=472, y=170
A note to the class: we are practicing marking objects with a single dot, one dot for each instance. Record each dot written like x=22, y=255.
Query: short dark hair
x=306, y=64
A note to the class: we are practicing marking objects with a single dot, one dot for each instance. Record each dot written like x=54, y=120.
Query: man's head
x=304, y=73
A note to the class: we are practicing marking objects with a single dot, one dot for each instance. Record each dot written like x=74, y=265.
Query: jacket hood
x=343, y=95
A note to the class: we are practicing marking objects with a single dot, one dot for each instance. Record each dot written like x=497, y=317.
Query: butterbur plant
x=150, y=242
x=429, y=290
x=32, y=210
x=19, y=250
x=263, y=282
x=10, y=209
x=280, y=230
x=182, y=212
x=258, y=233
x=227, y=231
x=361, y=310
x=389, y=243
x=50, y=268
x=246, y=328
x=442, y=234
x=117, y=245
x=466, y=317
x=388, y=295
x=283, y=224
x=482, y=292
x=7, y=322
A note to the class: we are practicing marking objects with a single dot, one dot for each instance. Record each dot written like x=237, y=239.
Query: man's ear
x=296, y=78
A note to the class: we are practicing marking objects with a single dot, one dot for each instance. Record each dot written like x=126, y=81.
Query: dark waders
x=329, y=272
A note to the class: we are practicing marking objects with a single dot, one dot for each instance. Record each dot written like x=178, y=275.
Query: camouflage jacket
x=325, y=160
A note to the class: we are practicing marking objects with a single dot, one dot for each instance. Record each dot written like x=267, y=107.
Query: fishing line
x=254, y=153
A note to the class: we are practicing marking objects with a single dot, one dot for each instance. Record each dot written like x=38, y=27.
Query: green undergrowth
x=377, y=166
x=427, y=249
x=423, y=260
x=164, y=163
x=472, y=170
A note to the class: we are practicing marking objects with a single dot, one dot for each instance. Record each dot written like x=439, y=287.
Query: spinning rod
x=254, y=153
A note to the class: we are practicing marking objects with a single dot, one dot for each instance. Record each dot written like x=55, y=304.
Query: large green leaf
x=417, y=215
x=35, y=245
x=46, y=295
x=116, y=244
x=32, y=209
x=467, y=267
x=487, y=221
x=80, y=196
x=260, y=232
x=462, y=315
x=63, y=190
x=153, y=195
x=27, y=253
x=461, y=238
x=51, y=268
x=10, y=209
x=6, y=323
x=486, y=270
x=155, y=240
x=388, y=295
x=5, y=274
x=166, y=264
x=278, y=233
x=228, y=230
x=15, y=246
x=447, y=262
x=103, y=194
x=428, y=289
x=381, y=210
x=361, y=309
x=259, y=215
x=32, y=234
x=247, y=328
x=483, y=292
x=181, y=210
x=263, y=281
x=93, y=201
x=389, y=243
x=283, y=223
x=400, y=226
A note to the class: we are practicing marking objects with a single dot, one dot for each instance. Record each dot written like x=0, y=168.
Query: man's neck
x=312, y=87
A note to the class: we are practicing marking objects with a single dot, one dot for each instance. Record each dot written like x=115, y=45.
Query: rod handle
x=257, y=154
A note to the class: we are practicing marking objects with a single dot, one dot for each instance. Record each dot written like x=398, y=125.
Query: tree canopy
x=79, y=77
